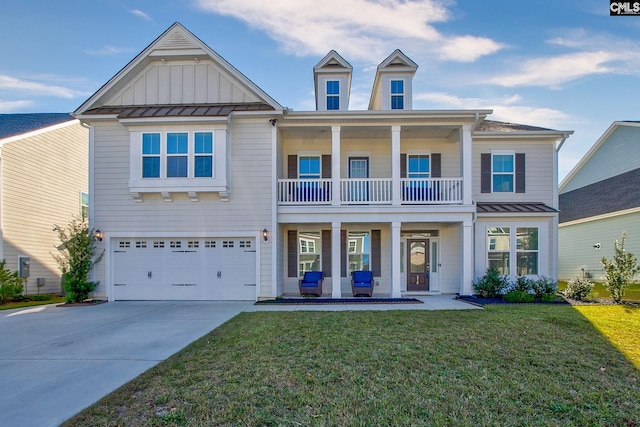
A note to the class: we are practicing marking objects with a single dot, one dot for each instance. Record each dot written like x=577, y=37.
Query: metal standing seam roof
x=514, y=208
x=16, y=124
x=194, y=110
x=495, y=126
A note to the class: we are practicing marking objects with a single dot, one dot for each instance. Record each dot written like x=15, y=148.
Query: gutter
x=565, y=135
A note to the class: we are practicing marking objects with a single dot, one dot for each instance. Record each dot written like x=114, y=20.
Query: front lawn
x=532, y=365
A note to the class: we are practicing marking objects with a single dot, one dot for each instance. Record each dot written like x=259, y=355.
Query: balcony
x=370, y=191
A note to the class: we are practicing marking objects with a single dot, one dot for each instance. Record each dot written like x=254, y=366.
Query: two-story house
x=205, y=187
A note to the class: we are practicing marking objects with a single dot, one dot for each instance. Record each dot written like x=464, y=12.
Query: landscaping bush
x=620, y=271
x=518, y=296
x=10, y=284
x=523, y=284
x=578, y=288
x=544, y=286
x=492, y=284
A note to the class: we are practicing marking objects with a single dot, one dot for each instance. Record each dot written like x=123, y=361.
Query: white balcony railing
x=370, y=191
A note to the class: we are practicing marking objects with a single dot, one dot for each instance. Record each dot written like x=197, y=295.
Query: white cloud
x=109, y=50
x=506, y=109
x=365, y=30
x=40, y=89
x=13, y=106
x=140, y=14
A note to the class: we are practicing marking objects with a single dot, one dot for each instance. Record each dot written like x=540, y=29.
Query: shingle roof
x=610, y=195
x=513, y=208
x=493, y=126
x=16, y=124
x=195, y=110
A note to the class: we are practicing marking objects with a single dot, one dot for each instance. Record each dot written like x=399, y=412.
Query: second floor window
x=418, y=166
x=333, y=95
x=397, y=94
x=177, y=155
x=309, y=167
x=502, y=171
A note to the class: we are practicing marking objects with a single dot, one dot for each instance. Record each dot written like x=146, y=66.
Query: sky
x=559, y=64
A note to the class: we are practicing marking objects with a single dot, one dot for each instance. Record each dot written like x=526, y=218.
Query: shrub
x=548, y=297
x=620, y=271
x=491, y=284
x=10, y=284
x=578, y=288
x=519, y=296
x=544, y=286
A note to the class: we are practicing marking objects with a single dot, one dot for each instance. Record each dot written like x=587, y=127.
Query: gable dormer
x=332, y=76
x=392, y=87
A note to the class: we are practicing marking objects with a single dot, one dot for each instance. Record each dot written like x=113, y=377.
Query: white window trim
x=317, y=154
x=543, y=246
x=327, y=94
x=504, y=153
x=418, y=153
x=358, y=253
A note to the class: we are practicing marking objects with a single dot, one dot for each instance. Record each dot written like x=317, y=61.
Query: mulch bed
x=475, y=300
x=296, y=301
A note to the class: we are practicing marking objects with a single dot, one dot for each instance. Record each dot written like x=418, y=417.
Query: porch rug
x=298, y=301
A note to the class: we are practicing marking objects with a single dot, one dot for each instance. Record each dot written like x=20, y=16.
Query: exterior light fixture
x=98, y=235
x=265, y=234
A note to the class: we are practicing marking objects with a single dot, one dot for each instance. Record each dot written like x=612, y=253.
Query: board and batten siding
x=620, y=153
x=42, y=178
x=247, y=212
x=539, y=175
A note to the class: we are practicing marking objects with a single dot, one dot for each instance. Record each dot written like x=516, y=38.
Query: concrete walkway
x=56, y=361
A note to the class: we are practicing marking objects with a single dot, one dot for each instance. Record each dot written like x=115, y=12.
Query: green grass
x=505, y=365
x=631, y=294
x=53, y=299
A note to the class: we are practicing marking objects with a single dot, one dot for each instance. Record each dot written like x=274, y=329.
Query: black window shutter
x=403, y=165
x=436, y=165
x=292, y=253
x=520, y=173
x=485, y=173
x=376, y=253
x=326, y=253
x=292, y=166
x=343, y=253
x=326, y=166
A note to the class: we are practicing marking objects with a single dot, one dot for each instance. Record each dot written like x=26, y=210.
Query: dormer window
x=333, y=95
x=397, y=94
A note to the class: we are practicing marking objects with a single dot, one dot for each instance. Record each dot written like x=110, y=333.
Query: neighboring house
x=207, y=188
x=599, y=201
x=44, y=182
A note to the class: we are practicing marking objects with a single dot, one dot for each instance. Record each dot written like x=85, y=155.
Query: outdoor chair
x=362, y=283
x=311, y=283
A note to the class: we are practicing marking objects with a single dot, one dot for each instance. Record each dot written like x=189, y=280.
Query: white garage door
x=184, y=269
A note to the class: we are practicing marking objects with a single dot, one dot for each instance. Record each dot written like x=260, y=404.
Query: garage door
x=184, y=269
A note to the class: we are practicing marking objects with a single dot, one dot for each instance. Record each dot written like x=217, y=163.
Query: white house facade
x=204, y=187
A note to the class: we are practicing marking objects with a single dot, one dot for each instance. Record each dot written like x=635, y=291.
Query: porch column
x=466, y=287
x=466, y=167
x=336, y=267
x=395, y=165
x=396, y=275
x=335, y=165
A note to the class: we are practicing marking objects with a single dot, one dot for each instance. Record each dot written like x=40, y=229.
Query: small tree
x=620, y=271
x=11, y=285
x=76, y=258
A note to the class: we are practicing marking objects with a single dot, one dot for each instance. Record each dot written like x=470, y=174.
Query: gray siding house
x=599, y=201
x=207, y=188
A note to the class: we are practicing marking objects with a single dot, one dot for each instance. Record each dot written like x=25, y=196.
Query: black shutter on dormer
x=485, y=173
x=520, y=173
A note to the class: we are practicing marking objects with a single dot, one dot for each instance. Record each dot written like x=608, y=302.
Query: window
x=151, y=155
x=359, y=250
x=203, y=150
x=527, y=250
x=308, y=251
x=309, y=167
x=333, y=95
x=180, y=154
x=84, y=204
x=397, y=94
x=499, y=248
x=502, y=173
x=418, y=166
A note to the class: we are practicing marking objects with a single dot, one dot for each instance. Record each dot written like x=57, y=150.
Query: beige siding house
x=44, y=181
x=207, y=188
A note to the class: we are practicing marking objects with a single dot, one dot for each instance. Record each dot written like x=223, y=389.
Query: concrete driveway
x=56, y=361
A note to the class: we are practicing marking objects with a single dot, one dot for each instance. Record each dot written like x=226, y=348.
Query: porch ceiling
x=364, y=132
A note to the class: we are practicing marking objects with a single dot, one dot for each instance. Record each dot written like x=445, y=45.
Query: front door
x=418, y=265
